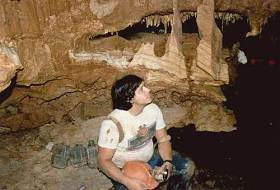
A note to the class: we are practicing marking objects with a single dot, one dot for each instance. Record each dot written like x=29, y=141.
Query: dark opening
x=233, y=32
x=141, y=28
x=190, y=26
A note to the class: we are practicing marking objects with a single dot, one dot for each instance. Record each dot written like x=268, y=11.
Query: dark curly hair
x=123, y=90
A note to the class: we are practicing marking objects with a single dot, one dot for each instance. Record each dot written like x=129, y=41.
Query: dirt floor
x=25, y=163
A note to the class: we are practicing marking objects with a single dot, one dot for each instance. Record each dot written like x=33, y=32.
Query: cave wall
x=69, y=55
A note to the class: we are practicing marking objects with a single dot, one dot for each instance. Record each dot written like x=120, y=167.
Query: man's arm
x=164, y=145
x=105, y=163
x=162, y=137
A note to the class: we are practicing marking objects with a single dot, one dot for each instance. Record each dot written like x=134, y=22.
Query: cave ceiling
x=59, y=58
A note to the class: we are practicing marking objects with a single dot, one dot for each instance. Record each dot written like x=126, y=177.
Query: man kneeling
x=126, y=135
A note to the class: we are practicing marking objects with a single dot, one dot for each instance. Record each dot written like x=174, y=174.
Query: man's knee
x=190, y=169
x=183, y=165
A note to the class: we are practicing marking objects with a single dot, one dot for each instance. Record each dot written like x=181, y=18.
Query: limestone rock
x=9, y=65
x=174, y=116
x=37, y=62
x=102, y=9
x=173, y=61
x=209, y=50
x=212, y=117
x=65, y=47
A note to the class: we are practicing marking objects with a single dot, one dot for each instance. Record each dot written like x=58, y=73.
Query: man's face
x=142, y=95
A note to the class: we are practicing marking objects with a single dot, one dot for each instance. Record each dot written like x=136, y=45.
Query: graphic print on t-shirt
x=139, y=141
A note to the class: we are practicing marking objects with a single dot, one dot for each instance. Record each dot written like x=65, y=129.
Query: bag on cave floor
x=92, y=151
x=60, y=156
x=78, y=155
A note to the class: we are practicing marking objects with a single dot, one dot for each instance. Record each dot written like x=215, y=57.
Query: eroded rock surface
x=208, y=64
x=71, y=52
x=9, y=65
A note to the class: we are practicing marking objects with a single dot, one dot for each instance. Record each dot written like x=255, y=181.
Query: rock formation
x=173, y=61
x=70, y=52
x=208, y=64
x=9, y=65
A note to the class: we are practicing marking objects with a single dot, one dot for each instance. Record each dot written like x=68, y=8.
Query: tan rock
x=173, y=61
x=208, y=66
x=9, y=65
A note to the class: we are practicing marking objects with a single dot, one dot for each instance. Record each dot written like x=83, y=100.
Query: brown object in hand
x=140, y=170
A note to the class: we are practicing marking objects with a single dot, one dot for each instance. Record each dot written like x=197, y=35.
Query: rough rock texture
x=208, y=64
x=71, y=54
x=173, y=60
x=9, y=64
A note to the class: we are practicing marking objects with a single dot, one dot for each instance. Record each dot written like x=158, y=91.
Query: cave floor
x=26, y=164
x=224, y=161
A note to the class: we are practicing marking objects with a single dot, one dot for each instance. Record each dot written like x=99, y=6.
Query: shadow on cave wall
x=8, y=91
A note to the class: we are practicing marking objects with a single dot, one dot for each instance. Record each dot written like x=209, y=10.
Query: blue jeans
x=180, y=176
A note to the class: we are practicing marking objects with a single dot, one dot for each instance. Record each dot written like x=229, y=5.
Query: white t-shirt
x=133, y=146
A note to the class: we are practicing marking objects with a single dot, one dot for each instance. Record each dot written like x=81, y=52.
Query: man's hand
x=163, y=172
x=168, y=166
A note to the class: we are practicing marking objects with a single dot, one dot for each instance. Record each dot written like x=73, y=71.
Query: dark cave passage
x=249, y=154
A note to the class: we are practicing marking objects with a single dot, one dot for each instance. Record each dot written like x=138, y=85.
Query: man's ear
x=129, y=101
